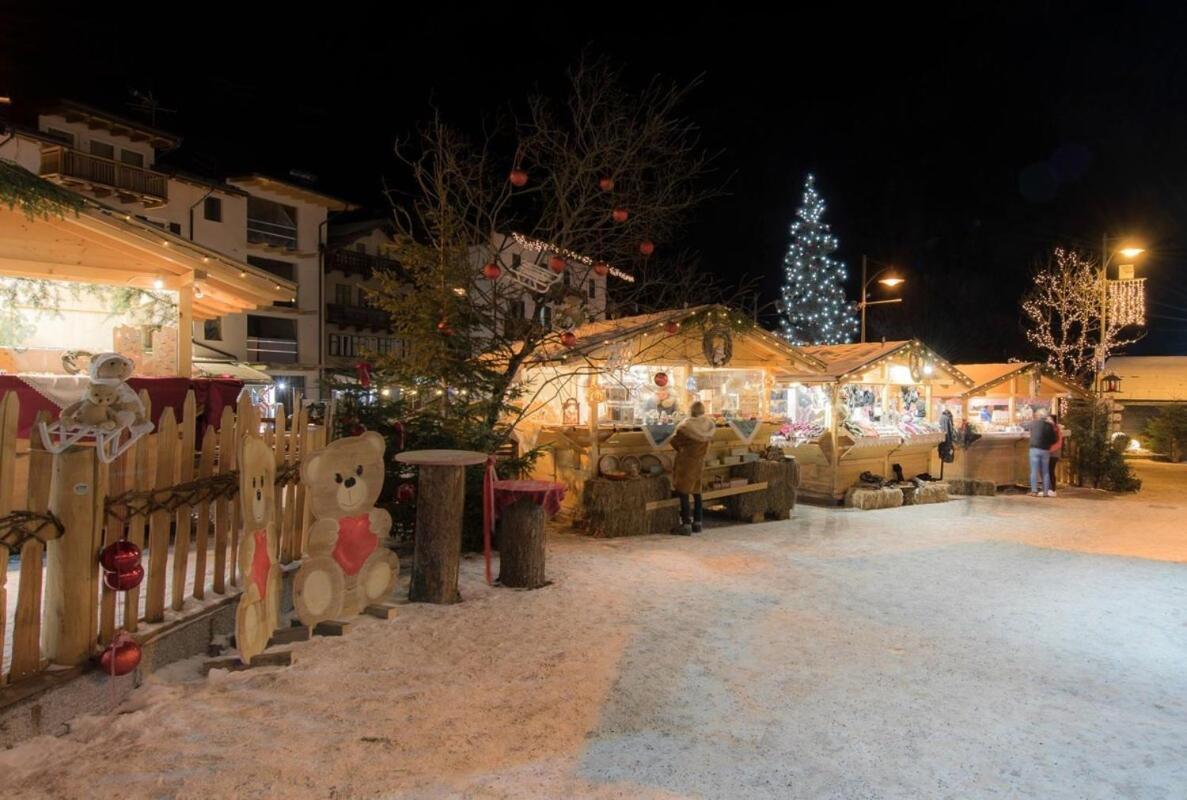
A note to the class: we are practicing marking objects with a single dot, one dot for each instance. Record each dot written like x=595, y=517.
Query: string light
x=1127, y=302
x=540, y=246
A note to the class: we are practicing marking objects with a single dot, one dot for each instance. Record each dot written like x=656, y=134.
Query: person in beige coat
x=691, y=442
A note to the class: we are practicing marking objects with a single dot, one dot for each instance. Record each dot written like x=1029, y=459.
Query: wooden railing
x=66, y=162
x=357, y=316
x=352, y=262
x=272, y=351
x=63, y=614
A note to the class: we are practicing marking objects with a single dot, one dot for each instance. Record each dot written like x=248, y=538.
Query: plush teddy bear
x=97, y=409
x=113, y=369
x=348, y=566
x=259, y=605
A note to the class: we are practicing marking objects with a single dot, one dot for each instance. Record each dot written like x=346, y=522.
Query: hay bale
x=931, y=493
x=970, y=486
x=619, y=508
x=867, y=498
x=783, y=481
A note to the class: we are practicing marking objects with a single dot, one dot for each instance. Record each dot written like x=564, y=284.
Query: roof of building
x=844, y=361
x=293, y=190
x=75, y=111
x=343, y=231
x=1155, y=378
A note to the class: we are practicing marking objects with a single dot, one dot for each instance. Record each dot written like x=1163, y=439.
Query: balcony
x=357, y=316
x=104, y=176
x=272, y=234
x=352, y=262
x=271, y=351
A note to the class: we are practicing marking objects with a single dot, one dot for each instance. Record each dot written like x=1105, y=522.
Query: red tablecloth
x=546, y=494
x=211, y=394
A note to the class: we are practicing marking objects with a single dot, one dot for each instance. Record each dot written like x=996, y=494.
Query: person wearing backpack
x=1042, y=437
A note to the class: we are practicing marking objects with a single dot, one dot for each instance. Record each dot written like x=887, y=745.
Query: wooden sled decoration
x=106, y=410
x=259, y=605
x=348, y=567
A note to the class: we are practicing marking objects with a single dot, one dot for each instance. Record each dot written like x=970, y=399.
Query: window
x=546, y=316
x=132, y=157
x=342, y=294
x=286, y=386
x=271, y=223
x=272, y=339
x=347, y=346
x=102, y=149
x=59, y=135
x=281, y=269
x=212, y=329
x=212, y=209
x=517, y=309
x=335, y=345
x=516, y=260
x=175, y=228
x=568, y=278
x=593, y=289
x=364, y=297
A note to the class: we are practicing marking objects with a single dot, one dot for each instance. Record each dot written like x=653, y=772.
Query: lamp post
x=889, y=280
x=1106, y=258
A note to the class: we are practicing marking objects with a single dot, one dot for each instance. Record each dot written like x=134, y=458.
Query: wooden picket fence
x=63, y=613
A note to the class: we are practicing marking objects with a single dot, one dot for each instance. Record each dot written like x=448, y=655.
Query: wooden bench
x=712, y=494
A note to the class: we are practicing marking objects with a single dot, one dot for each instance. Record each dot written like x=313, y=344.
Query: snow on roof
x=1162, y=378
x=840, y=359
x=987, y=376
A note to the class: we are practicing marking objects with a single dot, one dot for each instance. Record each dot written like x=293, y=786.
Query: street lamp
x=1128, y=251
x=890, y=281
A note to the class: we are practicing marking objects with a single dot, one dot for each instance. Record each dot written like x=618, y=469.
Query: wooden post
x=185, y=330
x=202, y=539
x=9, y=413
x=222, y=506
x=26, y=634
x=71, y=569
x=183, y=522
x=158, y=530
x=438, y=535
x=522, y=545
x=136, y=524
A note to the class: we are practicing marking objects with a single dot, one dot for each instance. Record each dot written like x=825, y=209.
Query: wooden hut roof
x=988, y=376
x=842, y=361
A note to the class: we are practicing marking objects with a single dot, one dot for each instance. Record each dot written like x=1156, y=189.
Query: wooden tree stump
x=441, y=494
x=522, y=545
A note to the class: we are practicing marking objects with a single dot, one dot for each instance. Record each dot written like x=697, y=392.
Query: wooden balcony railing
x=104, y=174
x=357, y=316
x=353, y=262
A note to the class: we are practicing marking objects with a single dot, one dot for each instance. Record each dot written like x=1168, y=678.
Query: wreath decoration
x=915, y=362
x=709, y=346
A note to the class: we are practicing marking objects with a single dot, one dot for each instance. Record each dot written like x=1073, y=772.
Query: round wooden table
x=440, y=498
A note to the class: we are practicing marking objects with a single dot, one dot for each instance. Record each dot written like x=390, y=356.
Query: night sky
x=960, y=145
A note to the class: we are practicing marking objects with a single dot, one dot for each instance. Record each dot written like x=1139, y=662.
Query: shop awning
x=236, y=370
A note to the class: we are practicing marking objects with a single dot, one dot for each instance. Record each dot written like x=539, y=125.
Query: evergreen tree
x=814, y=308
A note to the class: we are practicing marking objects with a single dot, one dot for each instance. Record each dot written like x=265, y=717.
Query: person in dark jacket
x=1042, y=436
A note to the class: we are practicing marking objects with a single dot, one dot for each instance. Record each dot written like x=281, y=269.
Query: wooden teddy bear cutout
x=108, y=407
x=259, y=605
x=348, y=567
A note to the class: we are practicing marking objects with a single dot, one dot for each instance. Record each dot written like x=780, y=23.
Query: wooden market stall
x=868, y=410
x=605, y=408
x=1000, y=407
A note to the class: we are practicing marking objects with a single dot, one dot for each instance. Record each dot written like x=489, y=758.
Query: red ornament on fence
x=119, y=556
x=405, y=493
x=518, y=178
x=646, y=247
x=121, y=656
x=619, y=215
x=601, y=268
x=671, y=327
x=557, y=264
x=492, y=271
x=568, y=339
x=606, y=184
x=661, y=379
x=125, y=579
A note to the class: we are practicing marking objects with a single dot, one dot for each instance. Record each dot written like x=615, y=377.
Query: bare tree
x=1063, y=316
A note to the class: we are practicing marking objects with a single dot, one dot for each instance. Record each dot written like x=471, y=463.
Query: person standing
x=691, y=442
x=1042, y=437
x=1056, y=451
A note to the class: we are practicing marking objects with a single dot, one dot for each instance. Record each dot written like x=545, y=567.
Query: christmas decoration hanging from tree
x=813, y=305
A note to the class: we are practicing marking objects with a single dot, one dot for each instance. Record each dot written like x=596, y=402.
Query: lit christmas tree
x=814, y=308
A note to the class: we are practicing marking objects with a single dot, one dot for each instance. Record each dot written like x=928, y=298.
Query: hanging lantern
x=444, y=329
x=121, y=656
x=119, y=556
x=646, y=247
x=671, y=327
x=492, y=271
x=125, y=579
x=619, y=215
x=661, y=379
x=601, y=268
x=518, y=178
x=1110, y=384
x=557, y=264
x=569, y=339
x=405, y=493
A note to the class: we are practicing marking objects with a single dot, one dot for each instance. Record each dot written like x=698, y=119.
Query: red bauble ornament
x=671, y=327
x=119, y=556
x=518, y=177
x=492, y=271
x=661, y=379
x=619, y=215
x=568, y=339
x=601, y=268
x=557, y=264
x=405, y=493
x=125, y=579
x=606, y=184
x=444, y=329
x=646, y=247
x=121, y=656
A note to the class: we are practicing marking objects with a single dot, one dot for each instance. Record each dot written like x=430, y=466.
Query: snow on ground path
x=988, y=647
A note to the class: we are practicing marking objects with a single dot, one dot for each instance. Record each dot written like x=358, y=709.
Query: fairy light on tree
x=813, y=305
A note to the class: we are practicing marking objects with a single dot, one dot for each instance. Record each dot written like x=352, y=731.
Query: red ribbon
x=488, y=511
x=364, y=372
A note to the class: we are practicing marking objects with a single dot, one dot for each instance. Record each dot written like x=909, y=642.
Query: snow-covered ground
x=988, y=647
